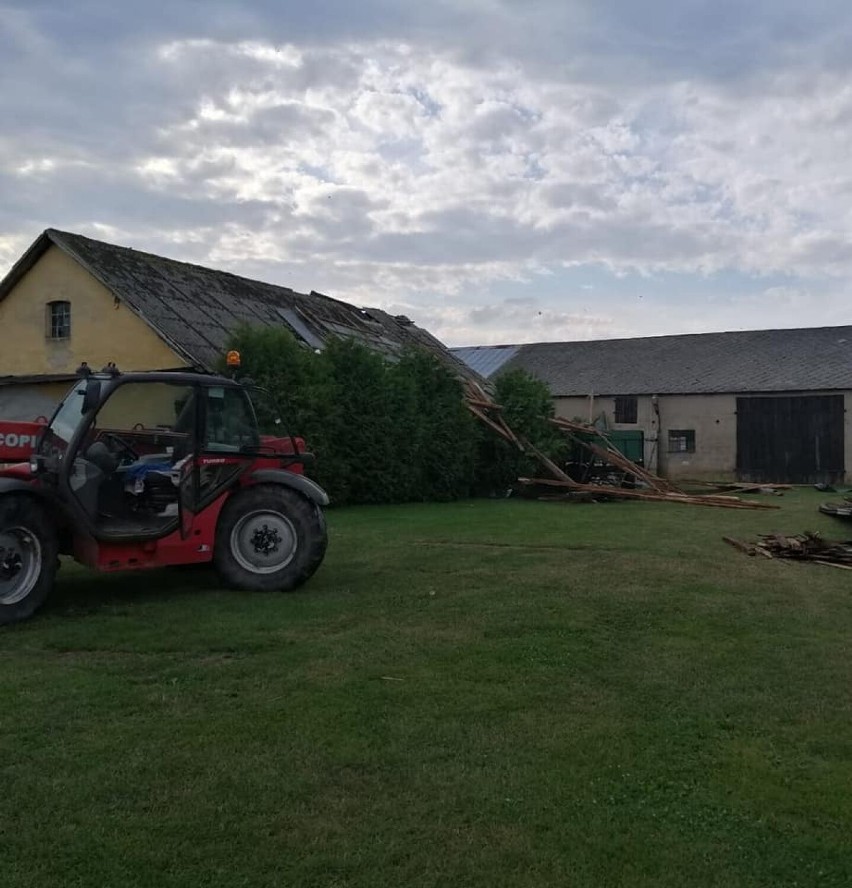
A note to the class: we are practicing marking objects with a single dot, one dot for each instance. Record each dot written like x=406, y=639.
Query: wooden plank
x=611, y=454
x=738, y=544
x=574, y=426
x=622, y=462
x=832, y=564
x=623, y=493
x=735, y=485
x=511, y=435
x=485, y=405
x=551, y=466
x=551, y=482
x=492, y=425
x=499, y=424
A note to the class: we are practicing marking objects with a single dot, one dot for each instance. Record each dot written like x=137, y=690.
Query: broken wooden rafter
x=725, y=502
x=485, y=405
x=615, y=458
x=738, y=486
x=610, y=453
x=480, y=404
x=550, y=465
x=499, y=427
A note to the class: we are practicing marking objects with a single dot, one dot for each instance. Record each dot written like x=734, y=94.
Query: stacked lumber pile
x=653, y=488
x=806, y=546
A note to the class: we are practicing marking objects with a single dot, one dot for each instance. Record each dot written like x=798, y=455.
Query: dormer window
x=58, y=320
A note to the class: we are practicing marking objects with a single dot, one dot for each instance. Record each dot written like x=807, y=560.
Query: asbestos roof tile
x=803, y=359
x=196, y=308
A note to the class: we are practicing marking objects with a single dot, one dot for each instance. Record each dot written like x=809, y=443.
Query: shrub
x=390, y=431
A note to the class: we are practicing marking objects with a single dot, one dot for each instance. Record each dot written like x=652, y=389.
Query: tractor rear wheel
x=29, y=553
x=269, y=538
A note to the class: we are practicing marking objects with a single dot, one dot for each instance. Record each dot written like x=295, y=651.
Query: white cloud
x=428, y=172
x=580, y=175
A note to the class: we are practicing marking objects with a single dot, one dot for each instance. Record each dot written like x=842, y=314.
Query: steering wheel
x=120, y=445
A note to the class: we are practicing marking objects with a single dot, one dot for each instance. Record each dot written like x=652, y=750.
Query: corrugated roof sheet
x=486, y=360
x=804, y=359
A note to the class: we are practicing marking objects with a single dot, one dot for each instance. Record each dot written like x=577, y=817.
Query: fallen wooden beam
x=748, y=548
x=500, y=428
x=618, y=459
x=485, y=405
x=551, y=466
x=831, y=564
x=610, y=454
x=738, y=487
x=647, y=496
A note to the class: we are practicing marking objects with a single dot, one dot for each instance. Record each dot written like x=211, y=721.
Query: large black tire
x=29, y=555
x=269, y=538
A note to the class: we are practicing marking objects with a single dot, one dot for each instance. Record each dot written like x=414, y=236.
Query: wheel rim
x=20, y=564
x=264, y=541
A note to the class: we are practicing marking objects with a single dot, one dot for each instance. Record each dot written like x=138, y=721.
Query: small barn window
x=682, y=441
x=626, y=409
x=58, y=320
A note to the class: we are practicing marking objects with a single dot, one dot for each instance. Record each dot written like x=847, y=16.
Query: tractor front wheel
x=269, y=538
x=28, y=557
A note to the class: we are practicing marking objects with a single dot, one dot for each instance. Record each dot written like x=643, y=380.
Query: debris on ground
x=582, y=492
x=739, y=487
x=837, y=510
x=808, y=546
x=626, y=480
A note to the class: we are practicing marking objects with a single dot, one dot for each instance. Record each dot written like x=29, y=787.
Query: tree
x=527, y=408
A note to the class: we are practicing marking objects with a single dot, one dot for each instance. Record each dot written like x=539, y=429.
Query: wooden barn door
x=797, y=440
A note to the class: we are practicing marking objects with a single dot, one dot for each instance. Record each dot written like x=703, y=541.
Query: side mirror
x=92, y=395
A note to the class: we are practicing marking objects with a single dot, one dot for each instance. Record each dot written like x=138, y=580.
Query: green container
x=630, y=442
x=586, y=468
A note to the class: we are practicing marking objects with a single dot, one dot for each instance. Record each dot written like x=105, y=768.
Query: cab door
x=117, y=473
x=227, y=446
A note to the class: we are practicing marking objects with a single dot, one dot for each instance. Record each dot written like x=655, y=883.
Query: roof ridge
x=658, y=336
x=195, y=308
x=51, y=232
x=795, y=359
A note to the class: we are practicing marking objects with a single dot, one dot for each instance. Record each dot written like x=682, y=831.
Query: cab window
x=230, y=424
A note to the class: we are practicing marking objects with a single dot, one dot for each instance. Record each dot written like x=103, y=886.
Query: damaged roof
x=803, y=359
x=195, y=309
x=486, y=360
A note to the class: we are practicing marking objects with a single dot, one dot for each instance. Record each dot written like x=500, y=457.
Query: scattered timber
x=655, y=489
x=808, y=546
x=838, y=510
x=603, y=492
x=740, y=487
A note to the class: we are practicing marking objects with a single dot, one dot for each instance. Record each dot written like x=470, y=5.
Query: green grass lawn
x=485, y=693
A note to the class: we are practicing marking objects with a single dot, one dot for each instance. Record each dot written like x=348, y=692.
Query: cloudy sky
x=499, y=170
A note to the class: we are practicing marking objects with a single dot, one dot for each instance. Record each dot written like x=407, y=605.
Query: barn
x=71, y=298
x=755, y=405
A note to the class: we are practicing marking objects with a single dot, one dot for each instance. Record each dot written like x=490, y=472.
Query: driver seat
x=85, y=480
x=99, y=454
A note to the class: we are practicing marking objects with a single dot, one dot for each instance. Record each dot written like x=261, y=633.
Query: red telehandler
x=146, y=470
